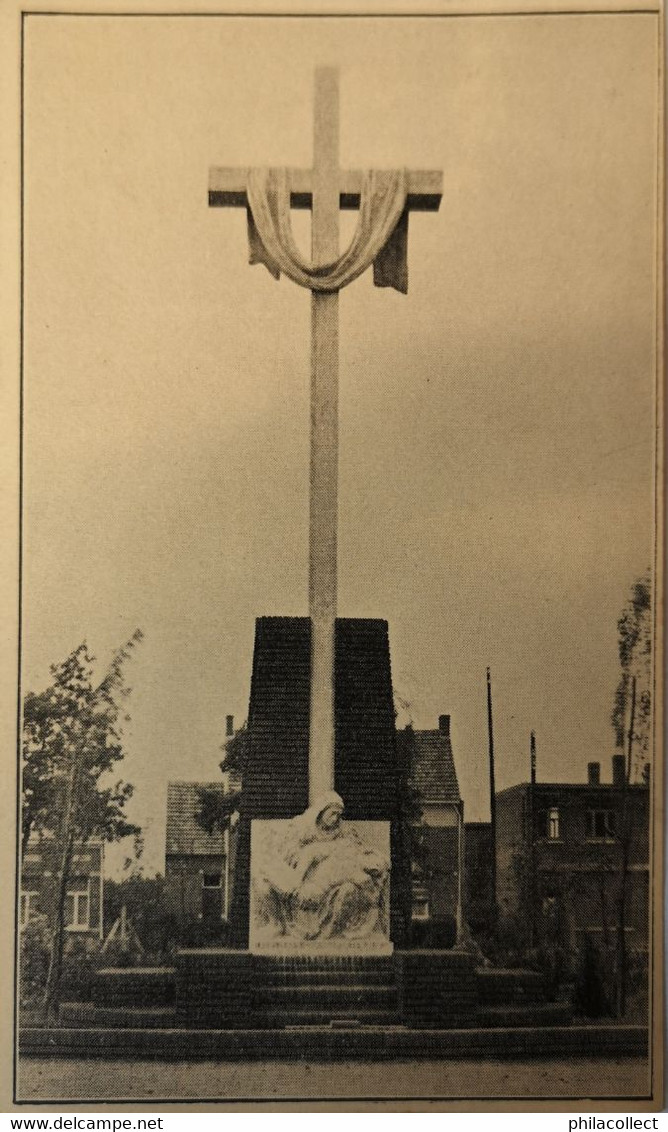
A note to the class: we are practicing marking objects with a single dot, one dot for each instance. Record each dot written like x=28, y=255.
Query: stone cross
x=324, y=189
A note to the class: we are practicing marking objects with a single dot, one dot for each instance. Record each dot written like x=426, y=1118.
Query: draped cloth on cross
x=381, y=236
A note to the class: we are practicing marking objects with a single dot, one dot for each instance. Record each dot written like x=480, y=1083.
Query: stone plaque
x=320, y=885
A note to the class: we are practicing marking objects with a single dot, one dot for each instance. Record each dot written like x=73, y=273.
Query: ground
x=66, y=1079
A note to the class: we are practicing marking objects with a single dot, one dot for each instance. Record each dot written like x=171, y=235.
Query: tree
x=235, y=754
x=72, y=742
x=145, y=902
x=632, y=724
x=215, y=808
x=634, y=690
x=412, y=863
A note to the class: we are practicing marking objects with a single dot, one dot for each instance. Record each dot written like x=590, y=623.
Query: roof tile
x=432, y=766
x=184, y=834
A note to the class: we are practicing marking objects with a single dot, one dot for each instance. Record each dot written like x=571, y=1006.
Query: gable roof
x=432, y=765
x=184, y=834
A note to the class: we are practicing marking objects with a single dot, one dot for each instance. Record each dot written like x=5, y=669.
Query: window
x=28, y=906
x=212, y=897
x=600, y=825
x=77, y=907
x=548, y=824
x=420, y=904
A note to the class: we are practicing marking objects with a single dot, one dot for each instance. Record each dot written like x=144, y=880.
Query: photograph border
x=657, y=808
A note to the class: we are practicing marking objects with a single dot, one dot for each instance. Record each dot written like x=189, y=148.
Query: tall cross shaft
x=323, y=505
x=324, y=189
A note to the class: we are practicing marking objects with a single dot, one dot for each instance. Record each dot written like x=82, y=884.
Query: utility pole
x=531, y=834
x=632, y=723
x=492, y=789
x=624, y=838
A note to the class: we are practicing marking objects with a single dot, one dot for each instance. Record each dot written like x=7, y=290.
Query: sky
x=496, y=424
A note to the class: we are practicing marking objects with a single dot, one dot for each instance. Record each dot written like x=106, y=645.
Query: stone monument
x=318, y=882
x=319, y=885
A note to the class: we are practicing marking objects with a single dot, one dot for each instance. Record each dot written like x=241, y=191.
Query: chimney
x=444, y=725
x=618, y=770
x=229, y=726
x=533, y=758
x=594, y=774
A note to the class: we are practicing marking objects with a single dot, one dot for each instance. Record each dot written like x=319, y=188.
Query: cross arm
x=227, y=188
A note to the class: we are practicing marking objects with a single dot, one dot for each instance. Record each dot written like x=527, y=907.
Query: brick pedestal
x=437, y=989
x=366, y=768
x=215, y=987
x=133, y=987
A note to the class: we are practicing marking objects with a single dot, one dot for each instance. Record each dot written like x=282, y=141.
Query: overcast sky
x=496, y=424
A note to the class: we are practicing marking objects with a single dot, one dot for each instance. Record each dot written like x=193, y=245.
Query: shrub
x=591, y=997
x=34, y=959
x=203, y=934
x=439, y=933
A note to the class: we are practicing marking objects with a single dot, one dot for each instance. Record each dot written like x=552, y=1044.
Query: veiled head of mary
x=327, y=813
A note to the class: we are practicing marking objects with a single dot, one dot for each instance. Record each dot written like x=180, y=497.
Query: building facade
x=565, y=852
x=199, y=866
x=85, y=890
x=437, y=828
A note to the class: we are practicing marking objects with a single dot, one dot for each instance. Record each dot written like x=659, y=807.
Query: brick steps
x=324, y=963
x=87, y=1014
x=282, y=1019
x=339, y=998
x=133, y=986
x=507, y=987
x=334, y=970
x=219, y=988
x=531, y=1014
x=326, y=990
x=305, y=979
x=332, y=1043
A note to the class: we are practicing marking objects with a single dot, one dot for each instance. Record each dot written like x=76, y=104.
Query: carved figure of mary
x=317, y=880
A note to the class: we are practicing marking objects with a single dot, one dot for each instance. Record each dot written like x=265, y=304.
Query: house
x=560, y=850
x=198, y=865
x=83, y=901
x=438, y=826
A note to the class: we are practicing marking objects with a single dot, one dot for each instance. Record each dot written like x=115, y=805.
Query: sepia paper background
x=498, y=456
